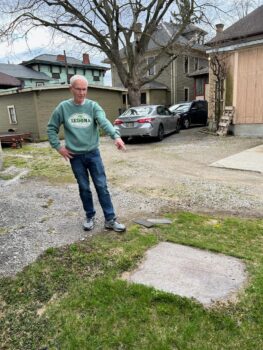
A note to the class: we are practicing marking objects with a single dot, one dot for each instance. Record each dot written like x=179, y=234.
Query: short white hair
x=76, y=77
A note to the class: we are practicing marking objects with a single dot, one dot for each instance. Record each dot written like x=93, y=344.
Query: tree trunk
x=134, y=95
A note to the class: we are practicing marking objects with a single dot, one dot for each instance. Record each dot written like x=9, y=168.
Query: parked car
x=191, y=113
x=147, y=121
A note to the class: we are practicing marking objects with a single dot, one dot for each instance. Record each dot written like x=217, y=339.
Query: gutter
x=235, y=46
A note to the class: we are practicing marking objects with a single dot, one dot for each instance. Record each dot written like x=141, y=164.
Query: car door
x=163, y=118
x=171, y=120
x=193, y=113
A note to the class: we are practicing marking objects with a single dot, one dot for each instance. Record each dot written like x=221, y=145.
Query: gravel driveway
x=149, y=179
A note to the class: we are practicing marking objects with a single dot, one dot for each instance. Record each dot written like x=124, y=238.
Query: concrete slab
x=250, y=159
x=190, y=272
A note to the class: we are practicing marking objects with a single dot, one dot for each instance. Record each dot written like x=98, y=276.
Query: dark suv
x=191, y=113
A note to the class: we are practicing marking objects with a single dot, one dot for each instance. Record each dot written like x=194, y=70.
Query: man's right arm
x=53, y=129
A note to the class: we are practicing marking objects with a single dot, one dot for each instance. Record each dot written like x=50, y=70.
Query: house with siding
x=175, y=84
x=26, y=76
x=240, y=47
x=45, y=70
x=29, y=109
x=59, y=68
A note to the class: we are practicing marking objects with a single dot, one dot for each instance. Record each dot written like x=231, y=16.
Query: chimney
x=61, y=58
x=137, y=31
x=85, y=59
x=219, y=28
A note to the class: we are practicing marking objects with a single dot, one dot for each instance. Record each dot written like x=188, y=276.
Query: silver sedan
x=147, y=121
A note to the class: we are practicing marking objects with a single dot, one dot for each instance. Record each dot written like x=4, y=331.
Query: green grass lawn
x=74, y=298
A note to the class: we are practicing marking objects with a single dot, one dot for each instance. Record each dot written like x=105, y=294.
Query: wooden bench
x=14, y=139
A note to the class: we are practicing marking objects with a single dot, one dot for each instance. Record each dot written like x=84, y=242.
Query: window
x=196, y=63
x=40, y=83
x=186, y=64
x=151, y=64
x=143, y=98
x=55, y=75
x=200, y=86
x=12, y=114
x=186, y=94
x=96, y=75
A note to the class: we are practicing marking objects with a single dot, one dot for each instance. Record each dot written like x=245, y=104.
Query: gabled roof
x=21, y=72
x=8, y=81
x=71, y=62
x=246, y=29
x=165, y=32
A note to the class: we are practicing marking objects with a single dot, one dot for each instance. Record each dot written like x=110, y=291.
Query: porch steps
x=225, y=121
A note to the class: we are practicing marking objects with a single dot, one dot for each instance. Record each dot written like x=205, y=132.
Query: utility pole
x=66, y=66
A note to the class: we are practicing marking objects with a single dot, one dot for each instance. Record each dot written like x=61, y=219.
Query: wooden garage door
x=249, y=107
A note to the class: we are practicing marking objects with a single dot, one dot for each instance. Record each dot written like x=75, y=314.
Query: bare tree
x=241, y=8
x=218, y=65
x=110, y=26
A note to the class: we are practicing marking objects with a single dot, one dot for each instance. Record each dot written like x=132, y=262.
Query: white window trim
x=188, y=64
x=153, y=67
x=40, y=83
x=9, y=114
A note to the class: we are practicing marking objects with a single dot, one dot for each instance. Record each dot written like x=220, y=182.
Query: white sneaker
x=89, y=224
x=115, y=226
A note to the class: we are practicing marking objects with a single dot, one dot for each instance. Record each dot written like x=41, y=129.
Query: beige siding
x=25, y=113
x=249, y=104
x=158, y=97
x=34, y=108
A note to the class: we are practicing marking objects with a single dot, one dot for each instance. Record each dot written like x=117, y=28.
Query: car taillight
x=145, y=120
x=118, y=122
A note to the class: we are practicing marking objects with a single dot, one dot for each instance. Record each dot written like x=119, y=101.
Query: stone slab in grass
x=189, y=272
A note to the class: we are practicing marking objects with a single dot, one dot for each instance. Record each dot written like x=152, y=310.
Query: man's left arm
x=108, y=128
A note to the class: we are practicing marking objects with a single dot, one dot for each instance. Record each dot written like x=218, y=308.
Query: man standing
x=81, y=119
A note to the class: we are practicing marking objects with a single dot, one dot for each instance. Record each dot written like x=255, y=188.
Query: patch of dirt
x=151, y=178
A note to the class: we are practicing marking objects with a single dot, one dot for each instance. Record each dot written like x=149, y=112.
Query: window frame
x=12, y=121
x=151, y=71
x=40, y=83
x=186, y=64
x=196, y=63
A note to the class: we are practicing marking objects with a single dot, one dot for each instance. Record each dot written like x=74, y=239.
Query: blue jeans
x=88, y=165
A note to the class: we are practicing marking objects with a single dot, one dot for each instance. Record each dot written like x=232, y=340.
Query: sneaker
x=89, y=224
x=115, y=226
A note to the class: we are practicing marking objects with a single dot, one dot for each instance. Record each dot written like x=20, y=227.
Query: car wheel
x=125, y=139
x=160, y=134
x=178, y=126
x=186, y=123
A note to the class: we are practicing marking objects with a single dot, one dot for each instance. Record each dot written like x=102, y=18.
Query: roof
x=154, y=85
x=21, y=72
x=246, y=29
x=7, y=80
x=199, y=72
x=71, y=61
x=165, y=31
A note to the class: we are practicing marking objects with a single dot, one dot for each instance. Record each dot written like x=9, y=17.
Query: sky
x=39, y=42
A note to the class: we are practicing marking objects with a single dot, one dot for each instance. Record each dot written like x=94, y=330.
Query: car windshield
x=138, y=111
x=182, y=107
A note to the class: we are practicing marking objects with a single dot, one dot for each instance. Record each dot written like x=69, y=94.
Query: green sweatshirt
x=81, y=125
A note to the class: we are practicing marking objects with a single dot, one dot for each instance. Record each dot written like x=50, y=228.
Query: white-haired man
x=81, y=119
